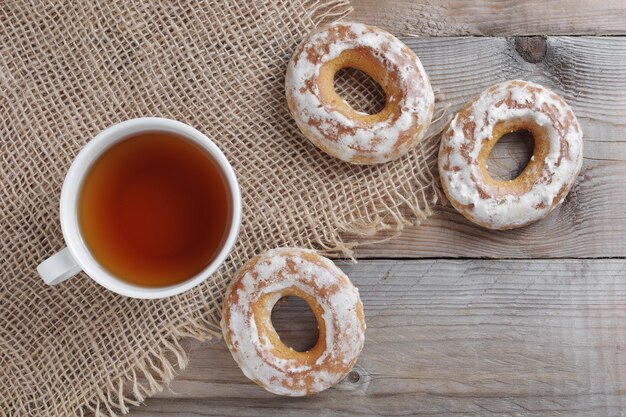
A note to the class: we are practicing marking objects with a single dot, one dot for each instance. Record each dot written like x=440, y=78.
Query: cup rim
x=71, y=191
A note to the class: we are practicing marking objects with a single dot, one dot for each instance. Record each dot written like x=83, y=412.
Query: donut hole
x=295, y=323
x=510, y=155
x=359, y=90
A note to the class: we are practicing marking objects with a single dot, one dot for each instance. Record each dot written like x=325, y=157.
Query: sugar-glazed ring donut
x=255, y=345
x=546, y=180
x=331, y=123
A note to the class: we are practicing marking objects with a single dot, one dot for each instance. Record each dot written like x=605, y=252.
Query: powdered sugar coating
x=268, y=277
x=333, y=130
x=462, y=176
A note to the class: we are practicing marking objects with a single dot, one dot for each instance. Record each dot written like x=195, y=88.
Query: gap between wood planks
x=493, y=18
x=473, y=258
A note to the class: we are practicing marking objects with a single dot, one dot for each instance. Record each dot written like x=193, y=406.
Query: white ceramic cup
x=76, y=256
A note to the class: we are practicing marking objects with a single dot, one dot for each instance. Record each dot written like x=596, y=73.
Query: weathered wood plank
x=450, y=337
x=493, y=18
x=590, y=74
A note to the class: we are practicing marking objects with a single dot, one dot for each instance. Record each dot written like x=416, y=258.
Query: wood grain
x=479, y=337
x=590, y=74
x=493, y=17
x=450, y=337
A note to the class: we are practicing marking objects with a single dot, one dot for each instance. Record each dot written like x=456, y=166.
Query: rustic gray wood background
x=463, y=320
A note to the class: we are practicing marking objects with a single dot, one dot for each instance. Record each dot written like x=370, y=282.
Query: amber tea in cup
x=154, y=209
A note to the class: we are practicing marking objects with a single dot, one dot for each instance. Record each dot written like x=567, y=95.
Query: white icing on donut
x=462, y=177
x=273, y=272
x=330, y=129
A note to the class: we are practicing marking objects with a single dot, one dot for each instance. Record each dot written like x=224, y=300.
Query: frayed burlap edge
x=152, y=372
x=393, y=218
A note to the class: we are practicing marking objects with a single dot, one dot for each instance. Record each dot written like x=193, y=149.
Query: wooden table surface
x=463, y=320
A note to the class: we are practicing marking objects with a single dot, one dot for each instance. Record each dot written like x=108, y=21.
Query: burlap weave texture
x=69, y=69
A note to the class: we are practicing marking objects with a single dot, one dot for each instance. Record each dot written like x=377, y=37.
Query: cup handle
x=58, y=267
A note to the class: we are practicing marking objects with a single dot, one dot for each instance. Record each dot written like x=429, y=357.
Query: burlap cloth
x=69, y=69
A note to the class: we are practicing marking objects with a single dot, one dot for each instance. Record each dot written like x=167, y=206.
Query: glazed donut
x=546, y=180
x=331, y=123
x=255, y=345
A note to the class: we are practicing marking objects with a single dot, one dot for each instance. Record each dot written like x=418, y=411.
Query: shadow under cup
x=155, y=209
